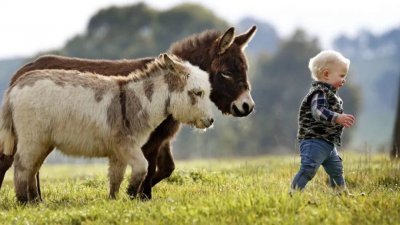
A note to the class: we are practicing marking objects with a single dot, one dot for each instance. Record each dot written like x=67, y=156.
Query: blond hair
x=324, y=60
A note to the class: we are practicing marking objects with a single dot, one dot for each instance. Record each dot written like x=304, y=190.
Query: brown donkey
x=219, y=54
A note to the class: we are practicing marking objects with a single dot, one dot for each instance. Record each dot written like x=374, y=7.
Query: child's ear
x=325, y=73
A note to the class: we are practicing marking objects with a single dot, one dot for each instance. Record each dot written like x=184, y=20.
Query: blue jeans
x=316, y=152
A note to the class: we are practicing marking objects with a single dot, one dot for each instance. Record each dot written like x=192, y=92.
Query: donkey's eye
x=199, y=93
x=226, y=75
x=196, y=93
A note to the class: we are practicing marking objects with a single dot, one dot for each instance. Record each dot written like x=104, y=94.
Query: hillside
x=278, y=73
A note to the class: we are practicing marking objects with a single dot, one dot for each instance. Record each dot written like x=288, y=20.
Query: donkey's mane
x=152, y=69
x=195, y=41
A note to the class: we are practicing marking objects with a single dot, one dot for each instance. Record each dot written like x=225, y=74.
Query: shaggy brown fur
x=212, y=51
x=104, y=67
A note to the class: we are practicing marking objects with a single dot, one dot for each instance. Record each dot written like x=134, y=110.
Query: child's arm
x=319, y=109
x=320, y=112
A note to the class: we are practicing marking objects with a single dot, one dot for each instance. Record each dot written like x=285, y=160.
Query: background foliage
x=278, y=73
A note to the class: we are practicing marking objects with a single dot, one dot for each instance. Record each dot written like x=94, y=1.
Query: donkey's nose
x=208, y=122
x=242, y=110
x=247, y=108
x=243, y=106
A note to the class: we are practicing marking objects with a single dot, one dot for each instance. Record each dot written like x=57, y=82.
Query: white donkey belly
x=82, y=142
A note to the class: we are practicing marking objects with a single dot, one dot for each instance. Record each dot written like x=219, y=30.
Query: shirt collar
x=329, y=86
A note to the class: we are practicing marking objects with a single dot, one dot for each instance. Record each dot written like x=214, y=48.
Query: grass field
x=229, y=191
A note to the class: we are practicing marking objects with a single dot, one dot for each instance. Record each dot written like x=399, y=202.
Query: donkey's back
x=105, y=67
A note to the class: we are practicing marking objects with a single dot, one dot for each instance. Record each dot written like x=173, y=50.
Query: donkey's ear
x=243, y=39
x=226, y=40
x=168, y=61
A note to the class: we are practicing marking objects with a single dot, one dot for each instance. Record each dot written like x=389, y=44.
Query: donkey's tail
x=7, y=135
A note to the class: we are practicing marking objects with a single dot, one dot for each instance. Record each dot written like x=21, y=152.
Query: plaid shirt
x=318, y=113
x=319, y=109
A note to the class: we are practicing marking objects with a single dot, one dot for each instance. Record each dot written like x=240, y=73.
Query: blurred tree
x=139, y=30
x=281, y=82
x=184, y=20
x=375, y=66
x=280, y=85
x=395, y=152
x=116, y=32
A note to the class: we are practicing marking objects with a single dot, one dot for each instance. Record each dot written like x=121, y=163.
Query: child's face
x=336, y=75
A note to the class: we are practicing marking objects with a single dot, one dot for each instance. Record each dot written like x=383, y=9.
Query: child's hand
x=345, y=120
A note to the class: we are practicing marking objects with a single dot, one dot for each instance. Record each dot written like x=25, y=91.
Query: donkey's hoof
x=22, y=200
x=112, y=197
x=131, y=191
x=144, y=197
x=36, y=200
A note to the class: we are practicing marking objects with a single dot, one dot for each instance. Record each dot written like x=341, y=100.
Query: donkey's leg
x=23, y=173
x=135, y=158
x=150, y=151
x=165, y=163
x=162, y=134
x=145, y=189
x=34, y=193
x=20, y=179
x=38, y=185
x=116, y=173
x=50, y=149
x=5, y=164
x=27, y=161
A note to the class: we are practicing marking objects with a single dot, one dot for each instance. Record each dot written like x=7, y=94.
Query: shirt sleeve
x=319, y=109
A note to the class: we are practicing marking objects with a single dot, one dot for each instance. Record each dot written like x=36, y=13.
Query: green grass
x=230, y=191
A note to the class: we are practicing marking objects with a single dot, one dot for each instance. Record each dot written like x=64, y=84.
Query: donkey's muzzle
x=203, y=123
x=243, y=106
x=207, y=122
x=244, y=110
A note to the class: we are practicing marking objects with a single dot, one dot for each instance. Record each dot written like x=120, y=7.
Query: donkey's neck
x=196, y=49
x=147, y=102
x=151, y=71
